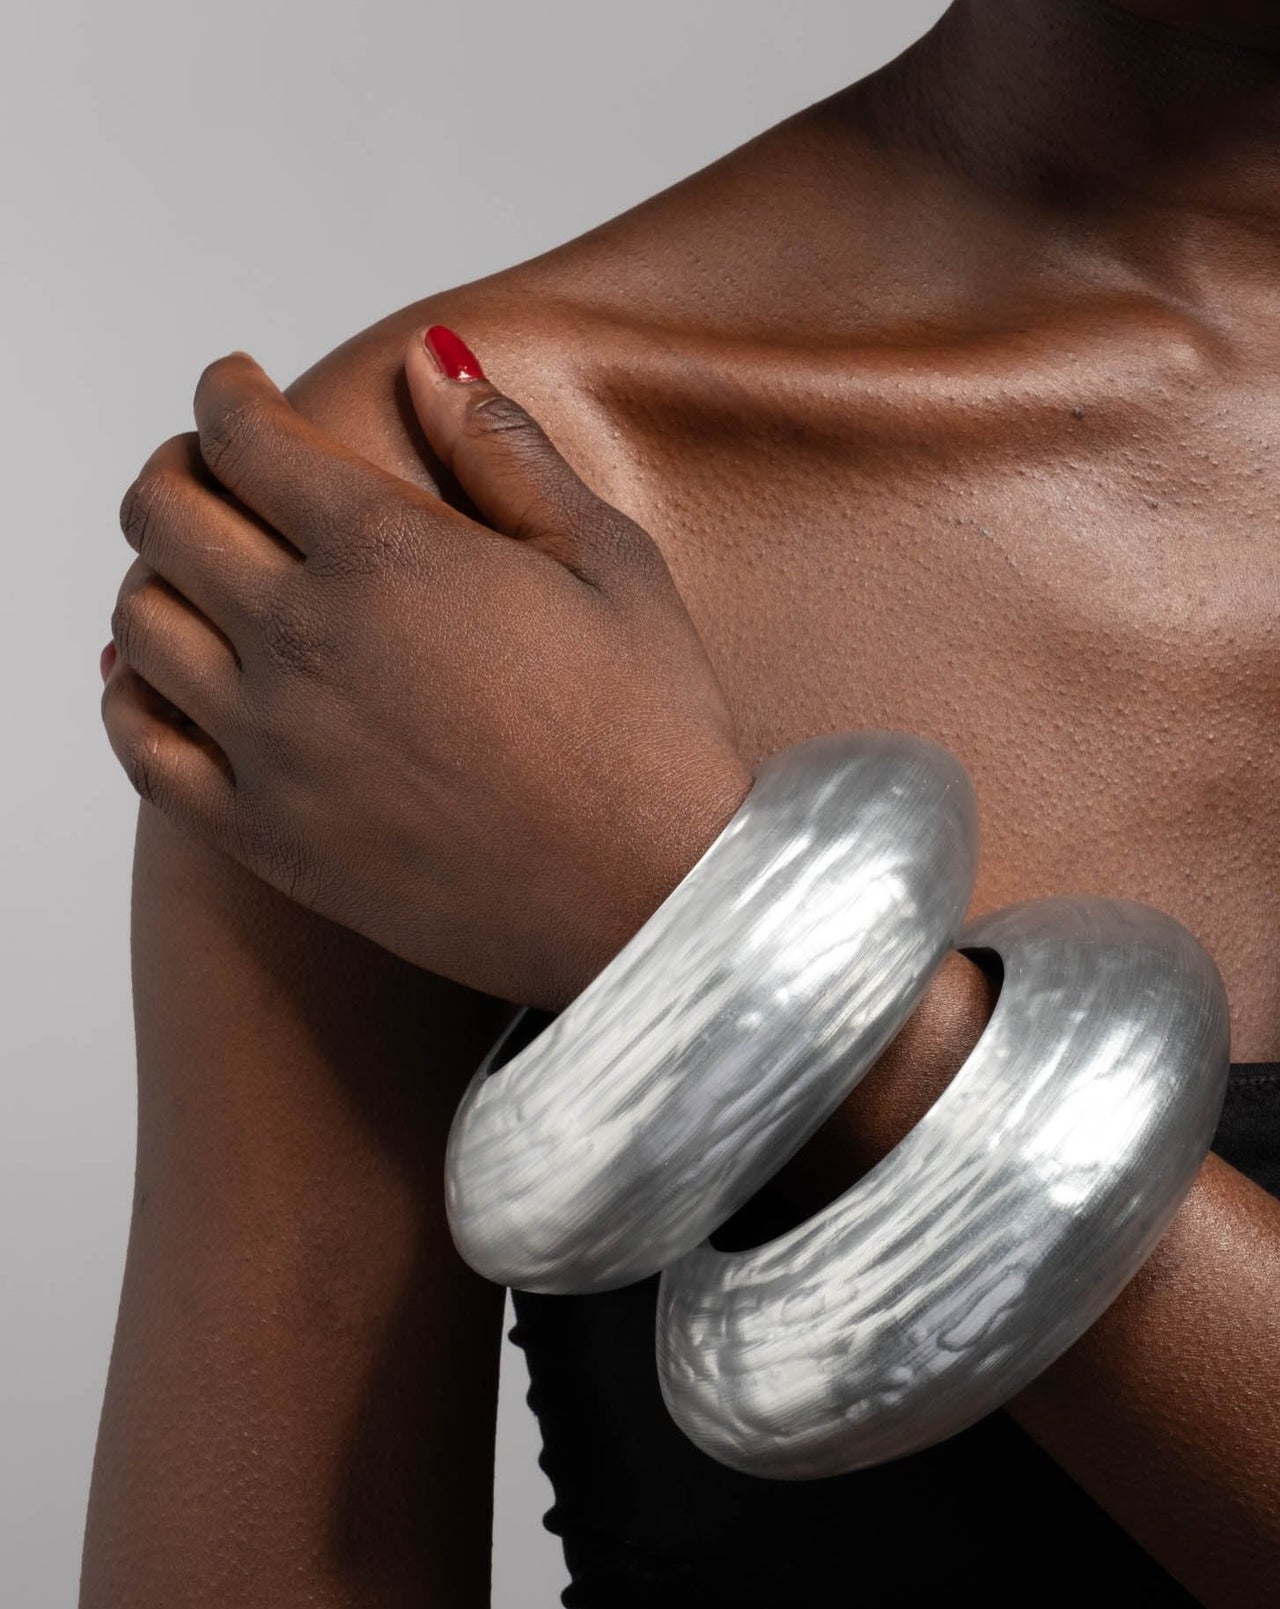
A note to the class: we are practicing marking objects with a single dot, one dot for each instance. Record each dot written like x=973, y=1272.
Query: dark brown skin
x=952, y=405
x=552, y=698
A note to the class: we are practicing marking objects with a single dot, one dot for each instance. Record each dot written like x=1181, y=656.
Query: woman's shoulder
x=683, y=266
x=528, y=339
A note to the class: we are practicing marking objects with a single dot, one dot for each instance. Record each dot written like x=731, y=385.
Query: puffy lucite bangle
x=993, y=1235
x=728, y=1028
x=733, y=1023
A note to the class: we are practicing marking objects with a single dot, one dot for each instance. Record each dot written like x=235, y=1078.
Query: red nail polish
x=107, y=662
x=455, y=358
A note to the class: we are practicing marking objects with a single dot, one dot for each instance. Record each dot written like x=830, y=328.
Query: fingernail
x=107, y=662
x=452, y=355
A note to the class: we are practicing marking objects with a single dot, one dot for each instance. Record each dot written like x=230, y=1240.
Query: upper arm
x=302, y=1392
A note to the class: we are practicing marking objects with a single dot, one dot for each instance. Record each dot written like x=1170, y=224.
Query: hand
x=491, y=745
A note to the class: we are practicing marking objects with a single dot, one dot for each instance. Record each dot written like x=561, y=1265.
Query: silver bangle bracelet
x=993, y=1235
x=724, y=1033
x=727, y=1029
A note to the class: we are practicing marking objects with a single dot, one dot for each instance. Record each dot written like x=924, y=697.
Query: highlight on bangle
x=704, y=1055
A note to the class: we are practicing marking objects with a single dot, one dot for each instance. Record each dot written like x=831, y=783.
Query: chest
x=1084, y=608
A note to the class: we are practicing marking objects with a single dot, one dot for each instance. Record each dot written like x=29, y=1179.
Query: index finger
x=299, y=479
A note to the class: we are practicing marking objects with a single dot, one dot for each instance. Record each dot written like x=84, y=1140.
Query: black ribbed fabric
x=985, y=1518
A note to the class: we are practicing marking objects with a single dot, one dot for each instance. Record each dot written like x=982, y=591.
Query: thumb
x=505, y=463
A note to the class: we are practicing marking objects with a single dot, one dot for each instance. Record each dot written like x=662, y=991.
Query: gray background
x=178, y=180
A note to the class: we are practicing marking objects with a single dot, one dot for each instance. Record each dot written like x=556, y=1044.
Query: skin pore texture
x=952, y=405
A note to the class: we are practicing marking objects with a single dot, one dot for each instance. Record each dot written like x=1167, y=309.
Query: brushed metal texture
x=728, y=1028
x=997, y=1231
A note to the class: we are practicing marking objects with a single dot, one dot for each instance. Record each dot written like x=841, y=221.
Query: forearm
x=1167, y=1410
x=301, y=1398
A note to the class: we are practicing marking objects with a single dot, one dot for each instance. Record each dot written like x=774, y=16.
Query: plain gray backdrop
x=180, y=180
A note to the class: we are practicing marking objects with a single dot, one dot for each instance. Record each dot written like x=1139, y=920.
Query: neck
x=1155, y=143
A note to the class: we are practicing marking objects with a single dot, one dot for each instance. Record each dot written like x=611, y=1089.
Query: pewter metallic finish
x=995, y=1233
x=725, y=1032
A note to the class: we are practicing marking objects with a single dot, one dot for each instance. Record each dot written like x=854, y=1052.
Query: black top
x=985, y=1517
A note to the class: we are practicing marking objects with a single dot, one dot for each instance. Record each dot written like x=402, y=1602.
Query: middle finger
x=325, y=498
